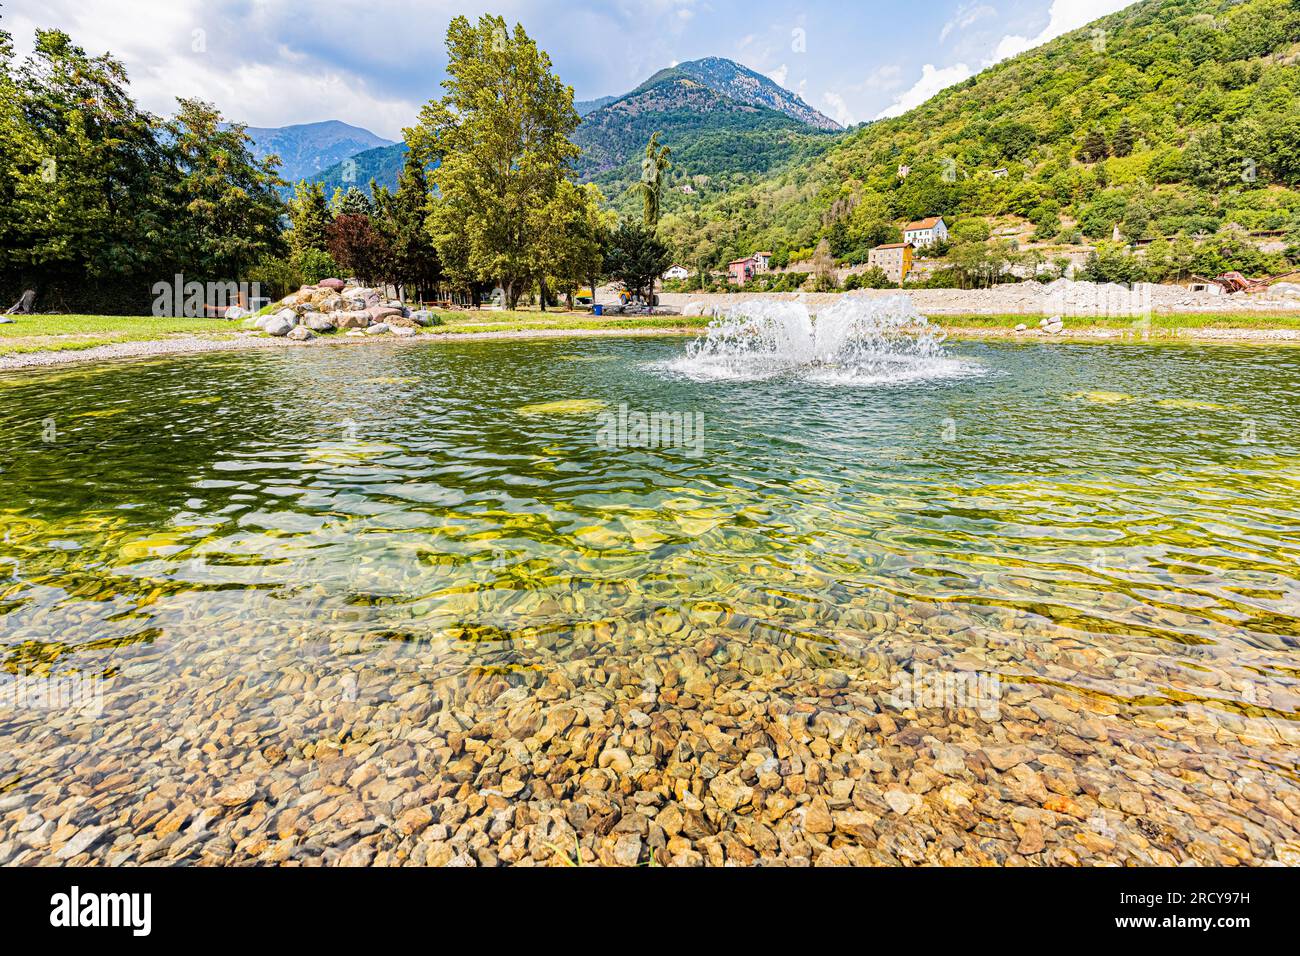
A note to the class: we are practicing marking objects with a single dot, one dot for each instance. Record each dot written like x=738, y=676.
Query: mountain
x=743, y=85
x=590, y=106
x=723, y=122
x=383, y=164
x=308, y=148
x=1176, y=121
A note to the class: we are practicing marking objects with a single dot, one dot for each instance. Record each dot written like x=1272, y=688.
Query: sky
x=373, y=63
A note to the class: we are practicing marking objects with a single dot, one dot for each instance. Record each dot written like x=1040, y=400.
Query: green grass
x=59, y=333
x=484, y=321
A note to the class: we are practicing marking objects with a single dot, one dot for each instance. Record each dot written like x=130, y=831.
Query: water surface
x=321, y=550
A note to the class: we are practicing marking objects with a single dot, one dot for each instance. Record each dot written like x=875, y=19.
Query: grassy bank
x=60, y=333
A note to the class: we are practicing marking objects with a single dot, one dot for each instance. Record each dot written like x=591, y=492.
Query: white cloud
x=778, y=76
x=838, y=109
x=1064, y=16
x=931, y=82
x=886, y=77
x=967, y=15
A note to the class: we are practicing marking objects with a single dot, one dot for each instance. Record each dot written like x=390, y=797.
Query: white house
x=676, y=272
x=926, y=232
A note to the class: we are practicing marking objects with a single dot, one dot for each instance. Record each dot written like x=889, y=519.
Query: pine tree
x=309, y=216
x=232, y=209
x=1121, y=144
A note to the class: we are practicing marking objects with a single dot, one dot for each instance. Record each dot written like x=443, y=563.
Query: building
x=741, y=271
x=676, y=272
x=894, y=259
x=926, y=232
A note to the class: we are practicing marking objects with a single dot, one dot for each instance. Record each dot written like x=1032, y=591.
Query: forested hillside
x=1173, y=118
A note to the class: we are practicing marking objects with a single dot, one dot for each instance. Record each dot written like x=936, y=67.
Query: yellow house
x=894, y=259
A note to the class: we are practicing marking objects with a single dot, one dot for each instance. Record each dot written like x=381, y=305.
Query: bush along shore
x=334, y=305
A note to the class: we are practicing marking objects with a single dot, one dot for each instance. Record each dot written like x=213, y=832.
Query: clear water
x=236, y=543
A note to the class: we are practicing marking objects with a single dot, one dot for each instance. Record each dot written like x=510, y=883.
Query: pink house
x=742, y=270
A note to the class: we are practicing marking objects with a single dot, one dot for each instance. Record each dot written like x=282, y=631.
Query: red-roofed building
x=926, y=232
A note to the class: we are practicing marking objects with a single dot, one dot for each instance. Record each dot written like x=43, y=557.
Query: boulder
x=404, y=330
x=331, y=303
x=278, y=325
x=380, y=313
x=300, y=333
x=355, y=303
x=235, y=313
x=350, y=320
x=335, y=284
x=425, y=317
x=289, y=315
x=318, y=322
x=400, y=321
x=378, y=329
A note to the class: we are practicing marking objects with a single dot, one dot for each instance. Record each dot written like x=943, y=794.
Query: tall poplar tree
x=500, y=138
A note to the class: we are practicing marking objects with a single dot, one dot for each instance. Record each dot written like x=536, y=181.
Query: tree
x=573, y=235
x=1121, y=144
x=651, y=186
x=1094, y=148
x=356, y=246
x=412, y=262
x=231, y=207
x=636, y=257
x=352, y=202
x=84, y=175
x=309, y=216
x=500, y=137
x=824, y=269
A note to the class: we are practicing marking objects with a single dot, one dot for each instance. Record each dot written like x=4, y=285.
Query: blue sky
x=276, y=62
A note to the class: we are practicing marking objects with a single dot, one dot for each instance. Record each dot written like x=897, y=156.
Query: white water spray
x=859, y=341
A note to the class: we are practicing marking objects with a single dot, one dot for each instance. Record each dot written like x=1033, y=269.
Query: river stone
x=301, y=333
x=405, y=331
x=277, y=325
x=426, y=317
x=318, y=323
x=235, y=313
x=335, y=284
x=378, y=329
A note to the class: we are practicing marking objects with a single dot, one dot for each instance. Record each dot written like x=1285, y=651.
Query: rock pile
x=333, y=305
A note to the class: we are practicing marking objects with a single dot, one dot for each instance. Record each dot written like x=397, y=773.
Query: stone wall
x=1063, y=297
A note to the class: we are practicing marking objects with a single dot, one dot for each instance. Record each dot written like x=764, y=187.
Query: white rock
x=378, y=329
x=277, y=325
x=404, y=331
x=301, y=333
x=235, y=313
x=354, y=333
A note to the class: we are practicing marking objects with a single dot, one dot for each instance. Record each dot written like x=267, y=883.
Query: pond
x=532, y=601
